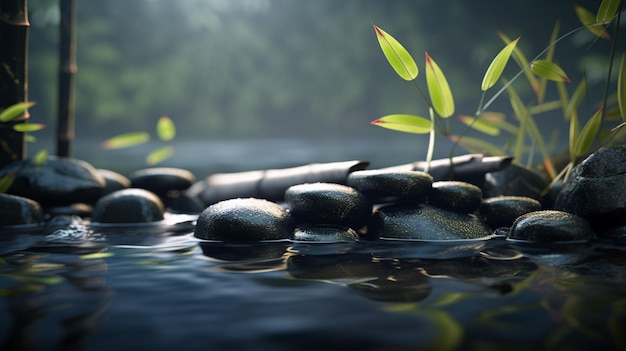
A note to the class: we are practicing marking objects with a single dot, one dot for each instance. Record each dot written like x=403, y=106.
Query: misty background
x=276, y=83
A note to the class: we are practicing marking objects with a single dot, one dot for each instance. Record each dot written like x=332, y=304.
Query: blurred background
x=256, y=84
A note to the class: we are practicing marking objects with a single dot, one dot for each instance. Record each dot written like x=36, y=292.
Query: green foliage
x=525, y=133
x=12, y=112
x=397, y=56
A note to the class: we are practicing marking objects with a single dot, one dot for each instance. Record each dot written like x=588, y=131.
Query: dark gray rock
x=128, y=206
x=325, y=233
x=248, y=219
x=55, y=182
x=515, y=180
x=425, y=222
x=78, y=209
x=384, y=185
x=502, y=211
x=549, y=226
x=328, y=203
x=456, y=196
x=160, y=180
x=113, y=181
x=17, y=210
x=596, y=189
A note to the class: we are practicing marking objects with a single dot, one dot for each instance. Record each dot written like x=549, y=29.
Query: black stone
x=160, y=180
x=128, y=206
x=17, y=210
x=456, y=196
x=325, y=233
x=549, y=226
x=384, y=185
x=328, y=203
x=248, y=219
x=596, y=189
x=113, y=181
x=502, y=211
x=515, y=180
x=425, y=222
x=55, y=182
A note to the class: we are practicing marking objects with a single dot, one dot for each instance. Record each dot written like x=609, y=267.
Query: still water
x=73, y=286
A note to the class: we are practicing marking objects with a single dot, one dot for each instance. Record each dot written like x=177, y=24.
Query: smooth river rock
x=596, y=189
x=515, y=180
x=456, y=196
x=325, y=233
x=549, y=226
x=248, y=219
x=130, y=205
x=425, y=222
x=17, y=210
x=502, y=211
x=328, y=203
x=385, y=185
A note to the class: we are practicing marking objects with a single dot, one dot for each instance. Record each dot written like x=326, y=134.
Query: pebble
x=244, y=219
x=130, y=205
x=113, y=181
x=17, y=210
x=502, y=211
x=515, y=180
x=325, y=233
x=456, y=196
x=385, y=185
x=160, y=180
x=549, y=226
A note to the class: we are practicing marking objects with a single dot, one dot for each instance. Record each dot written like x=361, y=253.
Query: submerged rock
x=248, y=219
x=383, y=185
x=425, y=222
x=325, y=233
x=56, y=181
x=17, y=210
x=328, y=203
x=596, y=189
x=456, y=196
x=502, y=211
x=128, y=206
x=550, y=226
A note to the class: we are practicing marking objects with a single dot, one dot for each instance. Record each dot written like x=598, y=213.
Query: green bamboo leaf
x=14, y=111
x=166, y=130
x=574, y=130
x=549, y=70
x=6, y=182
x=477, y=146
x=404, y=123
x=588, y=134
x=543, y=83
x=607, y=10
x=28, y=127
x=40, y=157
x=159, y=155
x=545, y=107
x=522, y=62
x=397, y=56
x=497, y=65
x=621, y=88
x=576, y=99
x=126, y=140
x=438, y=88
x=480, y=125
x=588, y=19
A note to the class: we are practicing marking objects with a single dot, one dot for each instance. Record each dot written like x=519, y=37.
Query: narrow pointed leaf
x=166, y=130
x=574, y=130
x=543, y=83
x=40, y=157
x=588, y=134
x=607, y=10
x=6, y=182
x=159, y=155
x=522, y=62
x=397, y=56
x=28, y=127
x=497, y=65
x=549, y=70
x=404, y=123
x=480, y=125
x=438, y=88
x=576, y=99
x=478, y=146
x=621, y=88
x=126, y=140
x=588, y=19
x=14, y=111
x=30, y=138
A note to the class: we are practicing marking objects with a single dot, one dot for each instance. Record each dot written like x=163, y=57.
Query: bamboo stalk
x=13, y=75
x=67, y=71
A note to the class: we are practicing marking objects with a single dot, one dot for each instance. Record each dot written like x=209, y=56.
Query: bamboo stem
x=67, y=71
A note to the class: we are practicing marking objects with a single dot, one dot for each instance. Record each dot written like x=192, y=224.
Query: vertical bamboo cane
x=13, y=75
x=67, y=71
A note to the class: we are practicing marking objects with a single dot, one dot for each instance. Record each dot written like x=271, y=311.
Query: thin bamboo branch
x=67, y=71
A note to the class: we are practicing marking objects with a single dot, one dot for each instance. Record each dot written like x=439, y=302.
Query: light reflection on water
x=145, y=289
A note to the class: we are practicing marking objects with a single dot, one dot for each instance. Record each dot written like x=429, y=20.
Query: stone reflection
x=244, y=257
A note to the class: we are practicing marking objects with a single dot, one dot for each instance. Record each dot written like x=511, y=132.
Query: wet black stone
x=325, y=233
x=384, y=185
x=549, y=226
x=160, y=180
x=248, y=219
x=456, y=196
x=596, y=189
x=78, y=209
x=128, y=206
x=425, y=222
x=502, y=211
x=515, y=180
x=55, y=182
x=17, y=210
x=113, y=181
x=328, y=203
